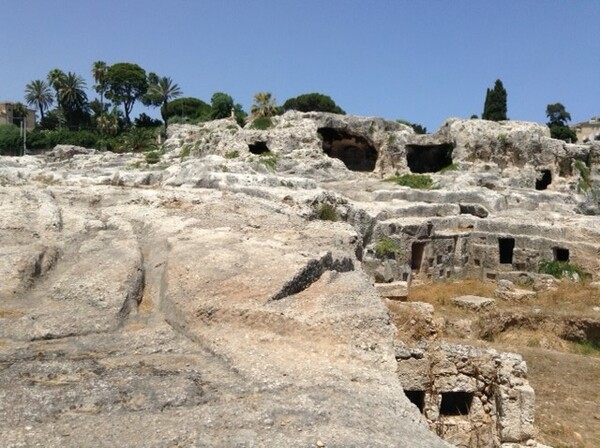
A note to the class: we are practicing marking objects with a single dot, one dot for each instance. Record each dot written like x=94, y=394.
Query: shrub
x=10, y=139
x=152, y=157
x=262, y=123
x=232, y=154
x=327, y=212
x=387, y=248
x=585, y=182
x=418, y=181
x=138, y=140
x=561, y=269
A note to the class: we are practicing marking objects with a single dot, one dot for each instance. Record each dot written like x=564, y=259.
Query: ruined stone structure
x=470, y=397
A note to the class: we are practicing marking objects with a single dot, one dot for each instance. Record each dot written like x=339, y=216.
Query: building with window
x=587, y=131
x=7, y=116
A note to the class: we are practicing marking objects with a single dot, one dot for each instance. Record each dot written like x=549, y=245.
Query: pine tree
x=495, y=103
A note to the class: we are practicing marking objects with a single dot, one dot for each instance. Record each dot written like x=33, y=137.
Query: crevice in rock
x=312, y=272
x=135, y=292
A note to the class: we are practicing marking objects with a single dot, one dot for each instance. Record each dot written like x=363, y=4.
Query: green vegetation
x=10, y=140
x=587, y=348
x=152, y=157
x=585, y=183
x=495, y=103
x=188, y=109
x=451, y=167
x=418, y=181
x=327, y=212
x=160, y=92
x=264, y=105
x=262, y=123
x=558, y=117
x=232, y=154
x=125, y=83
x=419, y=129
x=561, y=269
x=387, y=248
x=309, y=102
x=269, y=160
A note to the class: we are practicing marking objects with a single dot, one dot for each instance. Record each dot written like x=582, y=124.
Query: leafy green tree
x=146, y=121
x=221, y=105
x=125, y=83
x=558, y=117
x=264, y=105
x=191, y=108
x=160, y=92
x=39, y=94
x=313, y=102
x=495, y=103
x=557, y=114
x=99, y=69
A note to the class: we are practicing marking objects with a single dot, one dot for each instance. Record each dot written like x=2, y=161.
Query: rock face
x=225, y=296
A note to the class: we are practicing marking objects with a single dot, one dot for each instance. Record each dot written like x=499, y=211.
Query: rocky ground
x=225, y=297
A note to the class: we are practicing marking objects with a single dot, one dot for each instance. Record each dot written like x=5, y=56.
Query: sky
x=422, y=60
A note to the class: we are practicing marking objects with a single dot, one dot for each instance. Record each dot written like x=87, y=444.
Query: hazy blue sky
x=419, y=60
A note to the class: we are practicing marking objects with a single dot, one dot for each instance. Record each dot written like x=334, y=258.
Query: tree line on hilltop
x=68, y=116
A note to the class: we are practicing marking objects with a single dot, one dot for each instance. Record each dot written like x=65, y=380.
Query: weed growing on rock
x=584, y=183
x=269, y=160
x=387, y=248
x=327, y=212
x=152, y=157
x=262, y=123
x=418, y=181
x=451, y=167
x=561, y=269
x=232, y=154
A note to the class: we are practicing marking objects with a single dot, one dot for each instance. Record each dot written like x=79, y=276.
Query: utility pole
x=24, y=134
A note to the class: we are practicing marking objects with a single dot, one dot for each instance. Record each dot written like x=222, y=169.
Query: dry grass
x=564, y=375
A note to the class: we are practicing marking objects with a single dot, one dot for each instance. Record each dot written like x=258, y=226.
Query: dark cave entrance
x=543, y=180
x=416, y=397
x=561, y=254
x=456, y=403
x=506, y=247
x=354, y=150
x=258, y=148
x=428, y=158
x=417, y=250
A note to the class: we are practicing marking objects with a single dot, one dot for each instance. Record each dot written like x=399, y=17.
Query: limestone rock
x=473, y=302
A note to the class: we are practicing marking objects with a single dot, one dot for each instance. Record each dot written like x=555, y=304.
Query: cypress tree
x=495, y=103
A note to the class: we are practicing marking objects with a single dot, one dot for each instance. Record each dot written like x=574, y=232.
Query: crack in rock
x=312, y=272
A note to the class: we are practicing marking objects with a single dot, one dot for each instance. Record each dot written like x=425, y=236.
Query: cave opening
x=506, y=247
x=354, y=150
x=416, y=397
x=456, y=403
x=417, y=250
x=561, y=254
x=258, y=148
x=428, y=158
x=543, y=180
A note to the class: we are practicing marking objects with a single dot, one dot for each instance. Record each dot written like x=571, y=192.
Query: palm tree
x=38, y=93
x=99, y=69
x=160, y=92
x=55, y=79
x=264, y=105
x=72, y=98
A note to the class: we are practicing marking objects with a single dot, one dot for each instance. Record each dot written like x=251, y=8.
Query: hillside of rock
x=230, y=295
